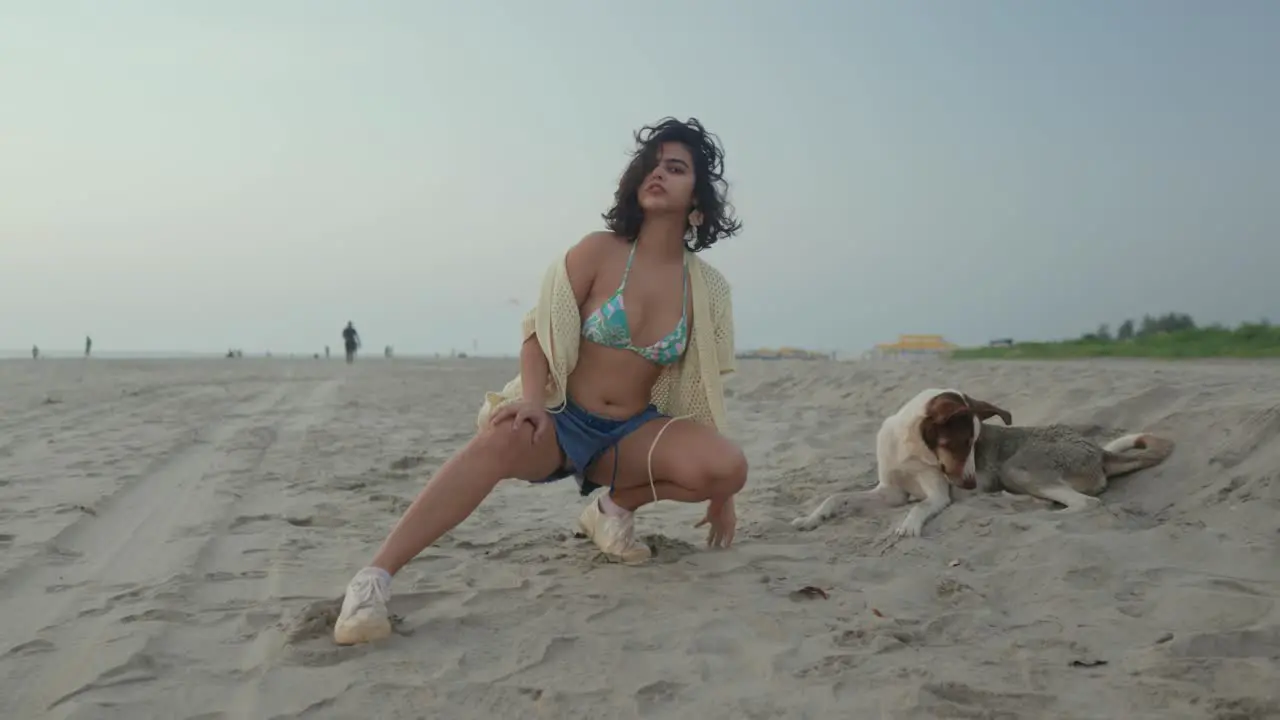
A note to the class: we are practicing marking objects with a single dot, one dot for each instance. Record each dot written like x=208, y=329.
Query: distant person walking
x=326, y=352
x=351, y=339
x=35, y=352
x=88, y=345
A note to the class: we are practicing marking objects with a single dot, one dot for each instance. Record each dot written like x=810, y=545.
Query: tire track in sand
x=258, y=540
x=22, y=431
x=274, y=541
x=68, y=628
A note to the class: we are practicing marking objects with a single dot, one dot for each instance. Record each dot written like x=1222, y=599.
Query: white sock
x=612, y=508
x=383, y=574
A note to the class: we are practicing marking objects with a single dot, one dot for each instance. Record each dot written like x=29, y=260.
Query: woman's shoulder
x=583, y=260
x=594, y=246
x=601, y=240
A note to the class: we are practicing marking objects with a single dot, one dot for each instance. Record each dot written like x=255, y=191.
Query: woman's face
x=669, y=186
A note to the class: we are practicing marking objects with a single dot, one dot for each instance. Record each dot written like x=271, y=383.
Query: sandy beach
x=175, y=537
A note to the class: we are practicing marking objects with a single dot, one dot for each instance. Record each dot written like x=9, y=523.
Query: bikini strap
x=684, y=295
x=630, y=257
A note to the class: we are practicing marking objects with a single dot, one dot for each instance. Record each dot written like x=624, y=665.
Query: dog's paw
x=1085, y=504
x=806, y=523
x=908, y=529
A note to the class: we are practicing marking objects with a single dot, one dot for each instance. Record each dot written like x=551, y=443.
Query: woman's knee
x=727, y=471
x=717, y=473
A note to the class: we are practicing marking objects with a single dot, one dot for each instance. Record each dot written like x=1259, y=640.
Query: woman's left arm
x=722, y=320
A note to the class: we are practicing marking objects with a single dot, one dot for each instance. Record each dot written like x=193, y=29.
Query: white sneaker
x=615, y=536
x=363, y=617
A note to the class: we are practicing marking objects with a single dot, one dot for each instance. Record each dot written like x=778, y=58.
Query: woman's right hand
x=521, y=412
x=723, y=521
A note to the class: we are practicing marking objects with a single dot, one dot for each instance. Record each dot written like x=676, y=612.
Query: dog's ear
x=985, y=410
x=942, y=408
x=937, y=413
x=929, y=432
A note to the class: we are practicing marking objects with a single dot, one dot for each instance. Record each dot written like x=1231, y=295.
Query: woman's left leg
x=690, y=462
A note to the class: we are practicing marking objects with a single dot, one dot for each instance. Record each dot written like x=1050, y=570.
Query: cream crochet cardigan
x=691, y=388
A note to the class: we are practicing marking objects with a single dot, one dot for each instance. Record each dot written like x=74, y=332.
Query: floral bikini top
x=608, y=325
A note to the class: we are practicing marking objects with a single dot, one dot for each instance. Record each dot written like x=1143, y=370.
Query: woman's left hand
x=723, y=523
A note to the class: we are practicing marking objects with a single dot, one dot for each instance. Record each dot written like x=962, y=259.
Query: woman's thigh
x=515, y=453
x=688, y=453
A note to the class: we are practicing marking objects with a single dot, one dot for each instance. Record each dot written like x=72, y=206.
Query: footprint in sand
x=223, y=576
x=140, y=667
x=31, y=648
x=306, y=521
x=829, y=666
x=658, y=697
x=159, y=615
x=243, y=520
x=876, y=640
x=60, y=587
x=408, y=462
x=351, y=484
x=1260, y=643
x=396, y=505
x=315, y=619
x=955, y=699
x=668, y=550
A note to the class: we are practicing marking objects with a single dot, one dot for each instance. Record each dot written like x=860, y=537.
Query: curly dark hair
x=709, y=186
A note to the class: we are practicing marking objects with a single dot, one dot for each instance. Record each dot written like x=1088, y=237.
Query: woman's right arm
x=581, y=264
x=534, y=371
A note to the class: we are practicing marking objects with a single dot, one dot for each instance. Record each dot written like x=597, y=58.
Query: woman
x=626, y=348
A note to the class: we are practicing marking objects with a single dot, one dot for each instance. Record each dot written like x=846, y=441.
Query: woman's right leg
x=448, y=498
x=459, y=486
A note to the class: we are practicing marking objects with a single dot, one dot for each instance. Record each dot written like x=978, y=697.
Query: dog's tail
x=1131, y=453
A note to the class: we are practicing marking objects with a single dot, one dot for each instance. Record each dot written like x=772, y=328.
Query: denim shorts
x=584, y=436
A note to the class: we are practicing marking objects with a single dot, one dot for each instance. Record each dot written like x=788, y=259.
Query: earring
x=695, y=219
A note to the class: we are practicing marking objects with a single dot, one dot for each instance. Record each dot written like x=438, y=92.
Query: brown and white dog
x=921, y=450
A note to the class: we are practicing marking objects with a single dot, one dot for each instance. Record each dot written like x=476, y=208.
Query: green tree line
x=1170, y=335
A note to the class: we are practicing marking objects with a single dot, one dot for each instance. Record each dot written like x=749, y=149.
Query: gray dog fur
x=1058, y=463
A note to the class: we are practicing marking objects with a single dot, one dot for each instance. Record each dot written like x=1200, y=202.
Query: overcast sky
x=200, y=175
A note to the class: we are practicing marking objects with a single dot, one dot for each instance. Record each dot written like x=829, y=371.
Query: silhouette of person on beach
x=351, y=339
x=35, y=352
x=88, y=345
